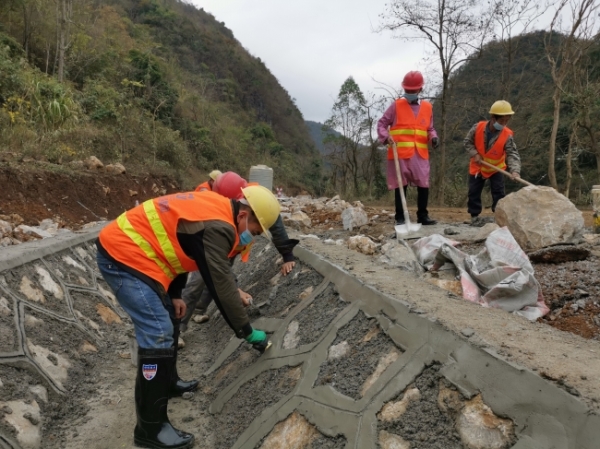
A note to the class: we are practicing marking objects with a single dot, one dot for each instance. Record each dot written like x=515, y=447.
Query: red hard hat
x=230, y=185
x=413, y=81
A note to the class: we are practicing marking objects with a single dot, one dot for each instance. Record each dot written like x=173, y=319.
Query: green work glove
x=259, y=340
x=256, y=337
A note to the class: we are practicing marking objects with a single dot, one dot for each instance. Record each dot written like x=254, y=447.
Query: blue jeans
x=151, y=318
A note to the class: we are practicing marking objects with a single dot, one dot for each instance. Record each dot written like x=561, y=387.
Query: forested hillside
x=154, y=84
x=318, y=135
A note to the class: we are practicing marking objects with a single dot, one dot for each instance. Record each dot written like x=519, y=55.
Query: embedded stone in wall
x=25, y=419
x=252, y=399
x=107, y=292
x=40, y=391
x=33, y=283
x=30, y=291
x=290, y=340
x=306, y=293
x=293, y=433
x=72, y=271
x=384, y=363
x=297, y=433
x=394, y=410
x=390, y=441
x=449, y=400
x=480, y=428
x=338, y=351
x=8, y=329
x=88, y=347
x=107, y=315
x=81, y=252
x=235, y=364
x=47, y=283
x=54, y=365
x=86, y=321
x=314, y=320
x=368, y=358
x=416, y=418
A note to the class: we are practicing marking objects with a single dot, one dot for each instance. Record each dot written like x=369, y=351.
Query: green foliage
x=154, y=84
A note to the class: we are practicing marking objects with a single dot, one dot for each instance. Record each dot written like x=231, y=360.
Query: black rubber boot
x=399, y=216
x=153, y=429
x=422, y=213
x=178, y=386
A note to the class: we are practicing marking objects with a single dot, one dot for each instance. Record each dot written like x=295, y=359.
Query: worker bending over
x=145, y=255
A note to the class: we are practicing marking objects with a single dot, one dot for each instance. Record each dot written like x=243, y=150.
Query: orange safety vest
x=145, y=237
x=410, y=132
x=495, y=155
x=202, y=187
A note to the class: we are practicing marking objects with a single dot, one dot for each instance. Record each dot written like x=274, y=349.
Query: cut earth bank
x=350, y=367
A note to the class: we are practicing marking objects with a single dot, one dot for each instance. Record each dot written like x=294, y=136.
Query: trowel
x=407, y=227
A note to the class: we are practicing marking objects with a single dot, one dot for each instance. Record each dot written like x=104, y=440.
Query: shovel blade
x=405, y=229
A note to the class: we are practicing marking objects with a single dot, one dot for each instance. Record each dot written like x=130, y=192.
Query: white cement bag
x=500, y=276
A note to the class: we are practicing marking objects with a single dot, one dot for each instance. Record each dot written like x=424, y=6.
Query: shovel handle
x=401, y=186
x=504, y=172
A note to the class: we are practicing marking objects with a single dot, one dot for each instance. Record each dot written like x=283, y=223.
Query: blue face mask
x=498, y=126
x=411, y=97
x=246, y=237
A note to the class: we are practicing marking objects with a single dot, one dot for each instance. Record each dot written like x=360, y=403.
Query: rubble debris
x=354, y=217
x=362, y=244
x=559, y=254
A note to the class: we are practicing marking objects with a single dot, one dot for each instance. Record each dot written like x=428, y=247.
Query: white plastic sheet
x=500, y=276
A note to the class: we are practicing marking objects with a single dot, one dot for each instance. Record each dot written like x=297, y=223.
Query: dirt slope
x=38, y=191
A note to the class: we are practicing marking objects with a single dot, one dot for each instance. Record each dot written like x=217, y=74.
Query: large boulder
x=539, y=217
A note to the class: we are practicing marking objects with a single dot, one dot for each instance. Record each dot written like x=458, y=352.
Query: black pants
x=476, y=185
x=422, y=200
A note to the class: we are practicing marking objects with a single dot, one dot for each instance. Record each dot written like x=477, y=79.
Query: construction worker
x=409, y=123
x=491, y=141
x=198, y=298
x=144, y=256
x=208, y=185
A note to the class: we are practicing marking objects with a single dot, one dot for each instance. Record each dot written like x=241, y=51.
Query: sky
x=313, y=46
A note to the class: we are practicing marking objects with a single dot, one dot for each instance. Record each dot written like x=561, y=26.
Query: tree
x=456, y=29
x=353, y=153
x=63, y=17
x=564, y=53
x=512, y=18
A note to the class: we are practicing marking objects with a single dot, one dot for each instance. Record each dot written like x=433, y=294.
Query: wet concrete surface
x=367, y=345
x=389, y=350
x=424, y=424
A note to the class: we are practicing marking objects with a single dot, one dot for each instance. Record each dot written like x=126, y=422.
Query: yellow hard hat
x=214, y=174
x=501, y=107
x=264, y=205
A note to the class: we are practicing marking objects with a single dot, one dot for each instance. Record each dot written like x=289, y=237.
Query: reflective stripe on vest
x=410, y=132
x=204, y=186
x=145, y=237
x=495, y=155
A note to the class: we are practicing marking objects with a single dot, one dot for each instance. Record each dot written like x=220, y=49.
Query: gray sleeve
x=218, y=242
x=470, y=141
x=282, y=242
x=210, y=248
x=513, y=160
x=194, y=287
x=278, y=232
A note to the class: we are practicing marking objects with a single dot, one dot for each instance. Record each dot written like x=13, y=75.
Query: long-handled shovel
x=407, y=227
x=505, y=173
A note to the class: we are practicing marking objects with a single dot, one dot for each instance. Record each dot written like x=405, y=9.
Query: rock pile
x=14, y=232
